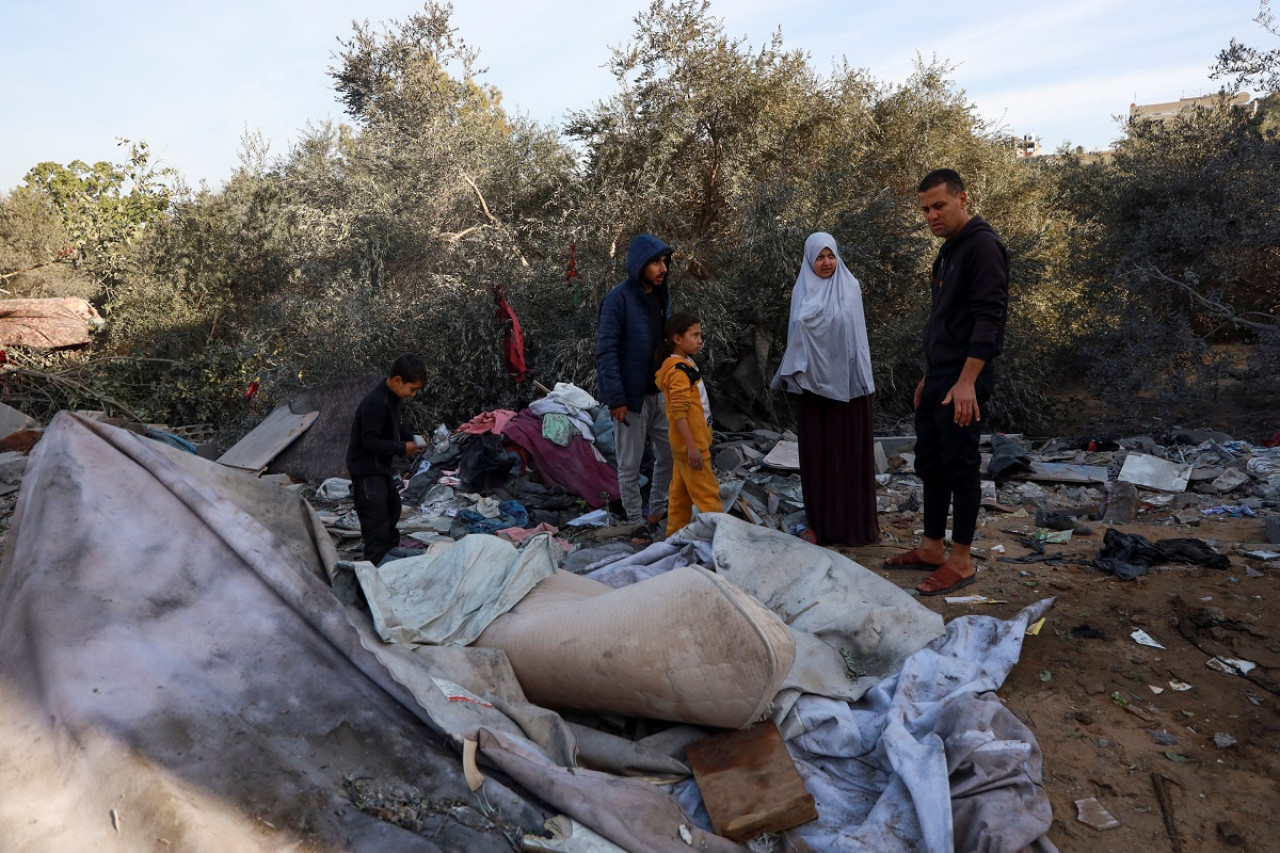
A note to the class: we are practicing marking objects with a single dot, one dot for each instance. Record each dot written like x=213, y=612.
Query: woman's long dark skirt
x=838, y=469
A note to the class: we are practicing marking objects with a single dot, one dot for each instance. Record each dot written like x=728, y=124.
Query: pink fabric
x=519, y=535
x=494, y=421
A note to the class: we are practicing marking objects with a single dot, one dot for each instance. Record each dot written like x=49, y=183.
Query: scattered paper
x=1179, y=686
x=1231, y=666
x=1091, y=812
x=1142, y=638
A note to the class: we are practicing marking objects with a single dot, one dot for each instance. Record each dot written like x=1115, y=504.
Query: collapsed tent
x=177, y=674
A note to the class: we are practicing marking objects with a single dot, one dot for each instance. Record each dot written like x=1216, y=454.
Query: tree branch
x=1269, y=322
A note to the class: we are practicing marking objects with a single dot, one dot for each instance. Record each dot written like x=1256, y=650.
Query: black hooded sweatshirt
x=970, y=289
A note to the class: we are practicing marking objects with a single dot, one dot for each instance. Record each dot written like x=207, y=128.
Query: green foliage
x=386, y=235
x=33, y=241
x=103, y=207
x=1175, y=250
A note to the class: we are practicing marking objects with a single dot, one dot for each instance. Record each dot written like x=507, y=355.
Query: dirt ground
x=1091, y=696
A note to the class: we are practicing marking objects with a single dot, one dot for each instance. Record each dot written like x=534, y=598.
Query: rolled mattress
x=686, y=645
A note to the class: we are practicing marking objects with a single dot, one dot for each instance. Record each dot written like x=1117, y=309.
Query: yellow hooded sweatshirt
x=686, y=397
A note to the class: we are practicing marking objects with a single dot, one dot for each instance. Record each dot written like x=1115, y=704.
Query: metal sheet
x=1152, y=472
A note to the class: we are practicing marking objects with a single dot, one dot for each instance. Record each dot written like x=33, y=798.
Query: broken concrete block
x=896, y=445
x=729, y=458
x=1122, y=507
x=1152, y=472
x=1231, y=479
x=785, y=456
x=882, y=461
x=12, y=465
x=12, y=420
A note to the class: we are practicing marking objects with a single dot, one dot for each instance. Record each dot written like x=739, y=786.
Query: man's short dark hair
x=410, y=368
x=950, y=177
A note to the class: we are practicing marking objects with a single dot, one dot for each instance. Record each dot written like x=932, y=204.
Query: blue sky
x=191, y=77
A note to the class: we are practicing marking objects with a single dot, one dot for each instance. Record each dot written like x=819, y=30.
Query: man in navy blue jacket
x=964, y=334
x=628, y=338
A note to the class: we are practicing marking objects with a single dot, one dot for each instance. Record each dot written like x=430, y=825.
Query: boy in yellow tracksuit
x=693, y=482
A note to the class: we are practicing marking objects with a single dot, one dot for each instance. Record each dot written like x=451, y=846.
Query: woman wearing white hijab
x=828, y=365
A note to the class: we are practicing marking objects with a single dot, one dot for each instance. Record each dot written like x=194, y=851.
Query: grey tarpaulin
x=175, y=675
x=926, y=758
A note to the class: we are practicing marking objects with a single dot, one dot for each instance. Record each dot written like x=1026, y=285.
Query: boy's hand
x=619, y=413
x=695, y=458
x=411, y=449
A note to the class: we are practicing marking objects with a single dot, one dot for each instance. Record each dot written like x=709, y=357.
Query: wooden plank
x=749, y=783
x=256, y=450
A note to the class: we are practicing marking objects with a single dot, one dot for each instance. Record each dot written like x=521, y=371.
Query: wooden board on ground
x=256, y=450
x=1063, y=472
x=749, y=783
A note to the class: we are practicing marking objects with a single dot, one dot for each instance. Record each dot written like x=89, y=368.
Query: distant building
x=1167, y=111
x=1028, y=146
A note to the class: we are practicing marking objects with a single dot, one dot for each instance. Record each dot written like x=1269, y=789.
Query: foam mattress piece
x=686, y=646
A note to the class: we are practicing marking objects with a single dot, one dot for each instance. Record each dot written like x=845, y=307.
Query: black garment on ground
x=1008, y=457
x=1129, y=555
x=376, y=434
x=948, y=460
x=378, y=508
x=485, y=464
x=838, y=469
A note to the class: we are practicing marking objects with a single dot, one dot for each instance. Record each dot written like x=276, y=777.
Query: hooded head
x=645, y=249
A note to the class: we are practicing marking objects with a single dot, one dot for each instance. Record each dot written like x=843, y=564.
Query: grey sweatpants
x=630, y=437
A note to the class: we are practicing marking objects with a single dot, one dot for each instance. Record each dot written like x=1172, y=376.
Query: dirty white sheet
x=450, y=597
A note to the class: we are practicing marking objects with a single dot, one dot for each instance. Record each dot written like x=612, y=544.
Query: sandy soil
x=1092, y=701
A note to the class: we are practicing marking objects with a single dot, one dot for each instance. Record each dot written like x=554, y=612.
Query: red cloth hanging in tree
x=512, y=337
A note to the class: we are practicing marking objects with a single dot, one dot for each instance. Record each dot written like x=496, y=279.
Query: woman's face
x=824, y=266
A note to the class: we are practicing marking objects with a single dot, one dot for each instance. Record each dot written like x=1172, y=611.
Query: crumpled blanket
x=930, y=760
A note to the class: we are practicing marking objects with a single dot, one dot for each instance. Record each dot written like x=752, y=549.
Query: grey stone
x=1230, y=480
x=1122, y=507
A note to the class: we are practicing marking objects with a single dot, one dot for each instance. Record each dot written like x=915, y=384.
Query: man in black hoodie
x=964, y=333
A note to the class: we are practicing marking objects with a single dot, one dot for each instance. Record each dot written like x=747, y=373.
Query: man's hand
x=619, y=414
x=695, y=458
x=411, y=449
x=915, y=401
x=966, y=403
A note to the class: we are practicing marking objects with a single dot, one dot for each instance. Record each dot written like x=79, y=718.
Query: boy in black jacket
x=965, y=332
x=376, y=437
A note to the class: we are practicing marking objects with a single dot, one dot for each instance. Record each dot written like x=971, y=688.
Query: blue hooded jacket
x=624, y=339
